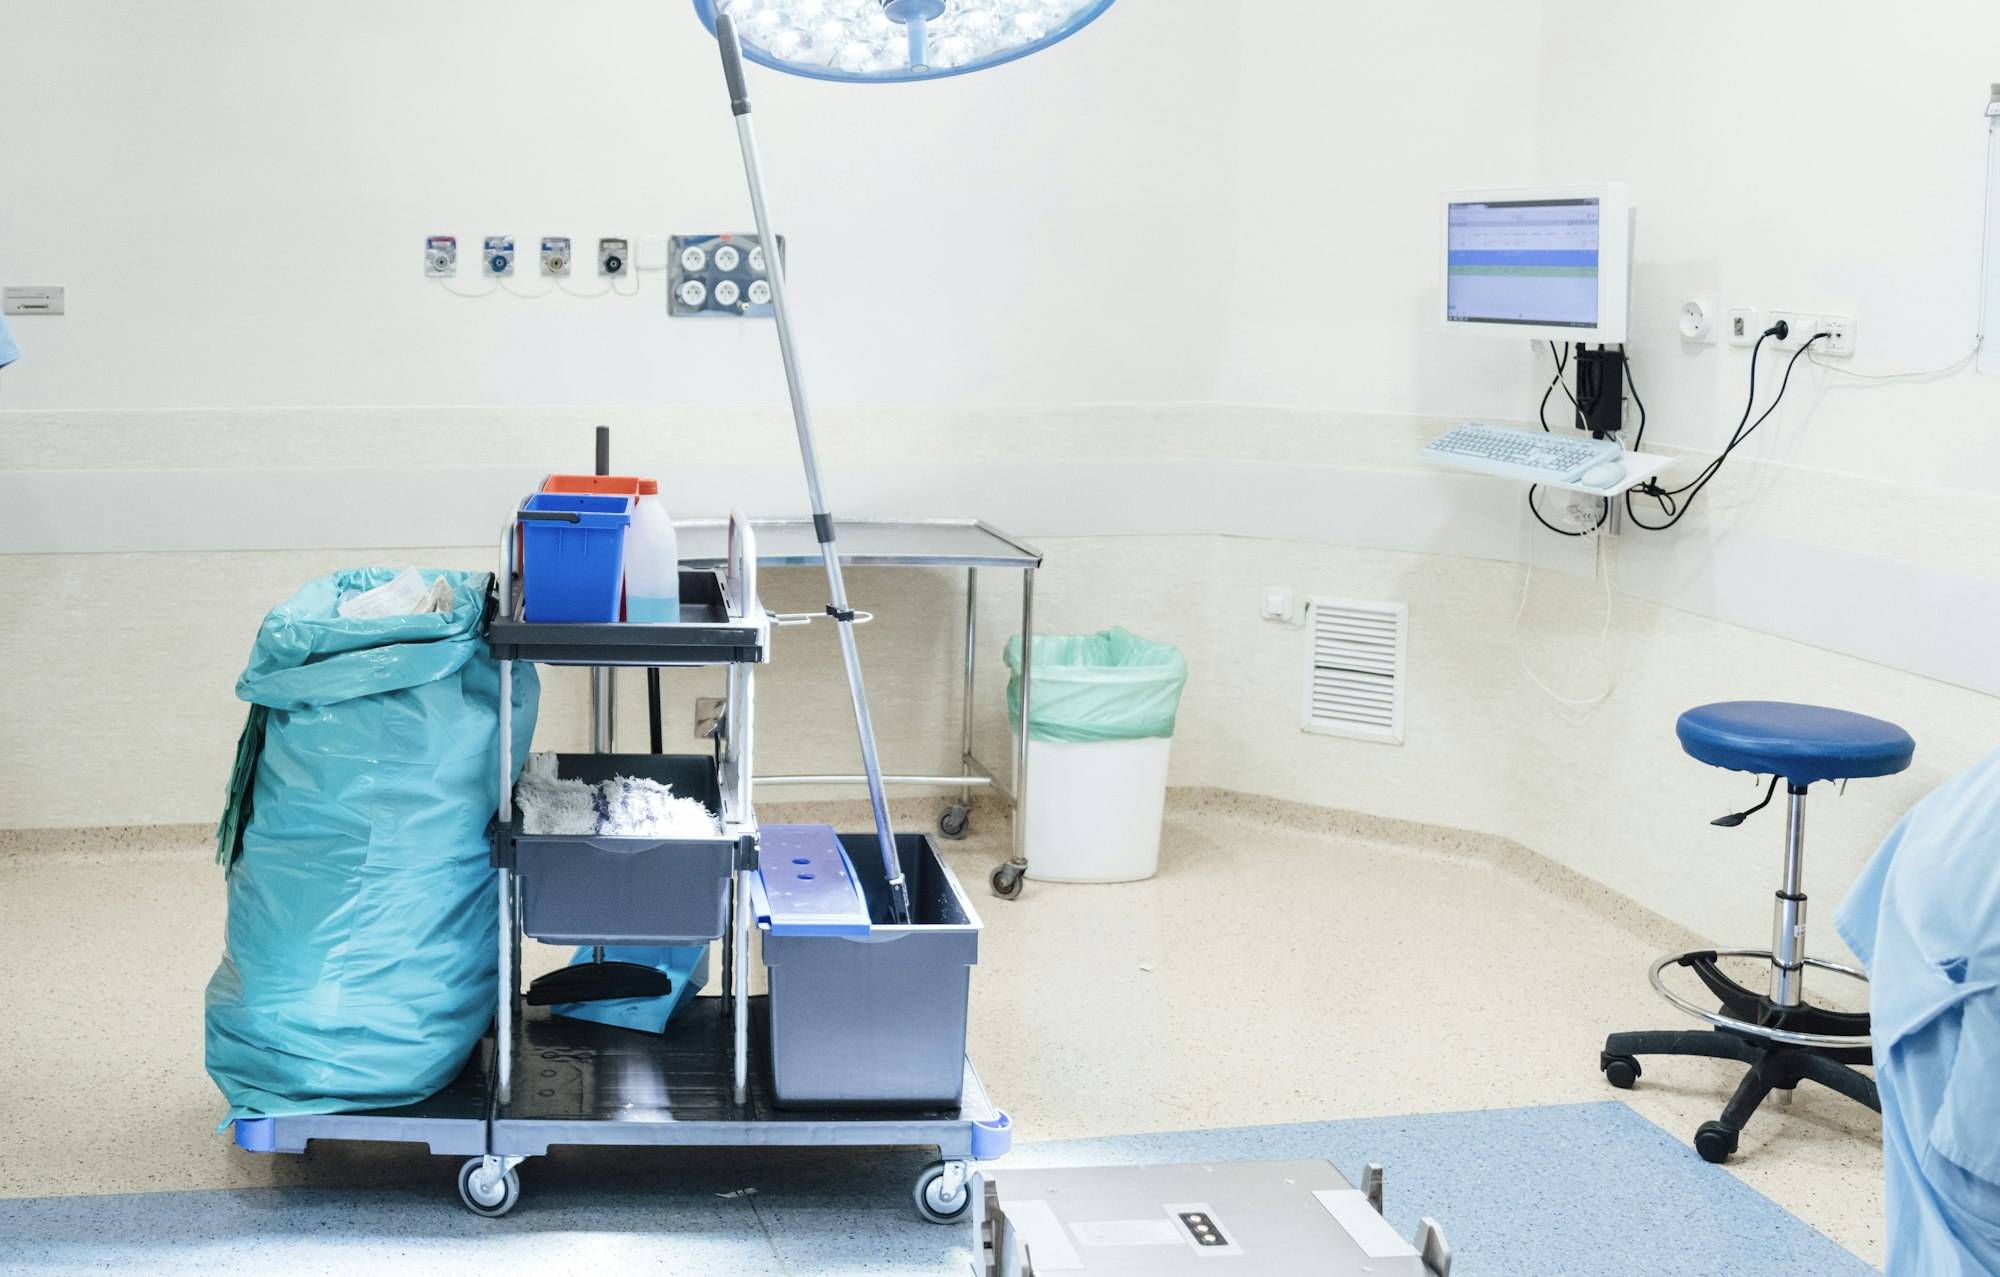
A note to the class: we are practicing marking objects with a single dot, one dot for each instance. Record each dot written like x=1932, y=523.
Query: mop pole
x=843, y=615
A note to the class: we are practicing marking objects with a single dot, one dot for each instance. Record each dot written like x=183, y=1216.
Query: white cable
x=1813, y=357
x=444, y=283
x=602, y=292
x=1601, y=566
x=528, y=296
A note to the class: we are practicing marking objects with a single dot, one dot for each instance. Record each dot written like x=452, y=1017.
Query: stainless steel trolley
x=950, y=544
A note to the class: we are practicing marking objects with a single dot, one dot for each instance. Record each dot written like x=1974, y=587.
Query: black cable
x=1694, y=487
x=1542, y=414
x=1562, y=365
x=1633, y=386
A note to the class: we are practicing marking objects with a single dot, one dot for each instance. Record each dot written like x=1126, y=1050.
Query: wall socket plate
x=1699, y=318
x=719, y=275
x=555, y=255
x=1798, y=327
x=499, y=259
x=1741, y=325
x=32, y=299
x=1840, y=340
x=441, y=256
x=614, y=258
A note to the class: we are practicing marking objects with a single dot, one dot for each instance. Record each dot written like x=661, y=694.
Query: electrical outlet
x=555, y=255
x=441, y=256
x=499, y=255
x=1840, y=335
x=1697, y=321
x=1743, y=326
x=1798, y=327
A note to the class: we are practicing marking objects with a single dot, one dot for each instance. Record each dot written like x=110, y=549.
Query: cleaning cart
x=859, y=1042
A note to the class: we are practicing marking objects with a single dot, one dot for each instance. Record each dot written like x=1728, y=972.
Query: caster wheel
x=934, y=1204
x=489, y=1197
x=1620, y=1070
x=1715, y=1142
x=1008, y=882
x=953, y=820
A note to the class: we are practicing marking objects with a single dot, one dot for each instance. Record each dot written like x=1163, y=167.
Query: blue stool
x=1784, y=1039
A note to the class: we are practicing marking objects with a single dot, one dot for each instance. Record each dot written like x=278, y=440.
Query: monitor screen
x=1523, y=261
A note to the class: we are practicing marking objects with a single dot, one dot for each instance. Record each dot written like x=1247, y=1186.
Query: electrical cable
x=515, y=292
x=1542, y=414
x=1633, y=386
x=1600, y=567
x=1952, y=367
x=1708, y=472
x=444, y=283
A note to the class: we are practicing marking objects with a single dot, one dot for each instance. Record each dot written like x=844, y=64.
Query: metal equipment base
x=577, y=1082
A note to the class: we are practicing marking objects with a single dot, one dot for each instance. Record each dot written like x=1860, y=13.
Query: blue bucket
x=573, y=571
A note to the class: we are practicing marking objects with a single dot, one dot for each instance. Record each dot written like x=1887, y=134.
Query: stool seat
x=1802, y=743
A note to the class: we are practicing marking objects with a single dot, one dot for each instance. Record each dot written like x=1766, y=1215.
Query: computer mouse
x=1603, y=474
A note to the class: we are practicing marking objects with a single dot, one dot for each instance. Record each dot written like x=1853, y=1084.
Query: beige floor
x=1363, y=971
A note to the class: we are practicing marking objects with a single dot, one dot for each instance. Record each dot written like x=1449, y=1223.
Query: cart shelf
x=576, y=1082
x=451, y=1121
x=707, y=634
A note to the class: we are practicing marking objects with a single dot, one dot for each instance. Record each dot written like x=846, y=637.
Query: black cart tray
x=705, y=635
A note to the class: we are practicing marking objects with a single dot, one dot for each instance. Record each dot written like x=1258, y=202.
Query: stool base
x=1774, y=1066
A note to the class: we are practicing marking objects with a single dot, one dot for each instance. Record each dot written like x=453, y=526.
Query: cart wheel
x=1621, y=1071
x=933, y=1203
x=1714, y=1141
x=952, y=821
x=1007, y=882
x=487, y=1196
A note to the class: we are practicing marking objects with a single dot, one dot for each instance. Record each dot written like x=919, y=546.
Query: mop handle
x=838, y=608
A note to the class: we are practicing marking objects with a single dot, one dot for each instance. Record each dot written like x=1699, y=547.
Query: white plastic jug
x=652, y=560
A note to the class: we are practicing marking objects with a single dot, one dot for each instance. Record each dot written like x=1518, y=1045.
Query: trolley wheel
x=953, y=820
x=1620, y=1070
x=1007, y=882
x=933, y=1203
x=489, y=1197
x=1714, y=1141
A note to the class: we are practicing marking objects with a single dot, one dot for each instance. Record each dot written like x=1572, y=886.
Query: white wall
x=237, y=194
x=1351, y=119
x=1816, y=155
x=1180, y=211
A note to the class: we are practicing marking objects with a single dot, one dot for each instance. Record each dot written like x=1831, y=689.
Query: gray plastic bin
x=877, y=1021
x=651, y=891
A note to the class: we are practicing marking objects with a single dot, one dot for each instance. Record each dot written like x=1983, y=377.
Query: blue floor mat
x=1576, y=1190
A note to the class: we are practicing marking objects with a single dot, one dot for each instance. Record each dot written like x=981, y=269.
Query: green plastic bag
x=359, y=965
x=1112, y=685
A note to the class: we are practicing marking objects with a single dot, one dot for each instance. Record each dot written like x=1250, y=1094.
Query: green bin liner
x=358, y=970
x=1112, y=685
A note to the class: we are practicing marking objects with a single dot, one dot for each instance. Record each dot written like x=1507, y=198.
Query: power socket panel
x=1840, y=336
x=1741, y=326
x=1798, y=327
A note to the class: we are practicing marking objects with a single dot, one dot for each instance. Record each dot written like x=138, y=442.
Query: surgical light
x=889, y=41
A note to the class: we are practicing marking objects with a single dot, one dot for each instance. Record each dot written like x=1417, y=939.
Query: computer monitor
x=1548, y=263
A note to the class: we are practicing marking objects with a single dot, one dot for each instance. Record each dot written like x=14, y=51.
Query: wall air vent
x=1355, y=668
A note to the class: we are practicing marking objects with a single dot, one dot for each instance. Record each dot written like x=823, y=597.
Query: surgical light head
x=888, y=41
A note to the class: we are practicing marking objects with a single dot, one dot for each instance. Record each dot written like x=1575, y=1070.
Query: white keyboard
x=1516, y=453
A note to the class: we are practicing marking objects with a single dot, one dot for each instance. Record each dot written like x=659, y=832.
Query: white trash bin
x=1103, y=710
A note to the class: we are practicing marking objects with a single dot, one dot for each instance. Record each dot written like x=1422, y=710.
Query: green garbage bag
x=1112, y=685
x=359, y=965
